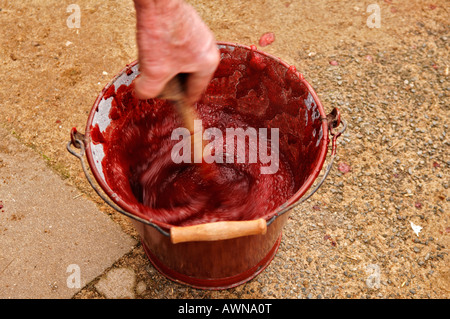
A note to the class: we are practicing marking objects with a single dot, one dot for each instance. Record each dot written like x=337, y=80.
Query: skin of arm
x=172, y=38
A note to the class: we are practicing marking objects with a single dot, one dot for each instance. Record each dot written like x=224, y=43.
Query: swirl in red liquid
x=139, y=168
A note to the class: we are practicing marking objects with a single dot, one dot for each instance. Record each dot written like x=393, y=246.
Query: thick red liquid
x=139, y=168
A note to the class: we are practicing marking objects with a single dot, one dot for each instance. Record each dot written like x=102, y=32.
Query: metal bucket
x=222, y=255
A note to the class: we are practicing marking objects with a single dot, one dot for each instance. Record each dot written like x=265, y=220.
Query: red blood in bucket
x=140, y=153
x=138, y=166
x=96, y=135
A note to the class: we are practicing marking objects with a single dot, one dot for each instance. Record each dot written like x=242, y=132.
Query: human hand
x=172, y=39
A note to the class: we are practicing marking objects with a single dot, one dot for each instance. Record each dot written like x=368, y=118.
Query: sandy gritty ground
x=390, y=83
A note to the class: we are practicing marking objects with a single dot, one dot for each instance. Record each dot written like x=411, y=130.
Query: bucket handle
x=216, y=230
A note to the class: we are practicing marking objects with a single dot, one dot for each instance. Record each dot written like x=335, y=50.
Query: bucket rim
x=272, y=214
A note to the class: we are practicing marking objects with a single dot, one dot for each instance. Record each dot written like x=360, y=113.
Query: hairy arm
x=172, y=39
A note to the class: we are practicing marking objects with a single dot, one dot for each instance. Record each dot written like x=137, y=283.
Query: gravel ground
x=391, y=85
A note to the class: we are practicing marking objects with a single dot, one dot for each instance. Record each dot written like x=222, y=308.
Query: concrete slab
x=52, y=241
x=118, y=283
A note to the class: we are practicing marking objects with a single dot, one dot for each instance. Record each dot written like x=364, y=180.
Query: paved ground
x=53, y=239
x=390, y=83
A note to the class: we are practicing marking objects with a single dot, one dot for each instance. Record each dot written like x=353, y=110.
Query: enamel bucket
x=222, y=255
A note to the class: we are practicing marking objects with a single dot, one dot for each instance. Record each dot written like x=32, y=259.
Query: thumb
x=148, y=87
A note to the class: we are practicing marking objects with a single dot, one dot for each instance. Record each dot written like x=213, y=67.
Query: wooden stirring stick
x=175, y=91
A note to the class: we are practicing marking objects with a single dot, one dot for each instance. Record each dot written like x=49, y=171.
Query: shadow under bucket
x=260, y=90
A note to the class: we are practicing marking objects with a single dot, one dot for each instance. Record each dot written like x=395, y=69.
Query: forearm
x=172, y=38
x=159, y=17
x=158, y=5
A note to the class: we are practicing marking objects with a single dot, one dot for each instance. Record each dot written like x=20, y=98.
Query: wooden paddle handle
x=218, y=230
x=175, y=91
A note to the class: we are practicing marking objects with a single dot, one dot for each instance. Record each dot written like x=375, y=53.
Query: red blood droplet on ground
x=1, y=205
x=393, y=9
x=435, y=66
x=436, y=165
x=328, y=237
x=344, y=168
x=333, y=62
x=58, y=121
x=418, y=205
x=266, y=39
x=432, y=7
x=316, y=207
